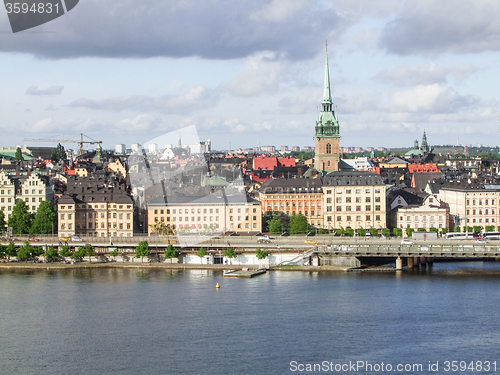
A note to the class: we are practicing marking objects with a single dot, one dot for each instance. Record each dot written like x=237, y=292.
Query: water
x=130, y=321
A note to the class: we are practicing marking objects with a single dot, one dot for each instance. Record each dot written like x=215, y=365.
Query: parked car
x=406, y=242
x=76, y=238
x=264, y=239
x=64, y=239
x=33, y=239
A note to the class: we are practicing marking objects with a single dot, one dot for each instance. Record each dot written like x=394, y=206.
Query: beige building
x=92, y=208
x=214, y=213
x=432, y=213
x=472, y=204
x=293, y=196
x=354, y=199
x=33, y=189
x=7, y=194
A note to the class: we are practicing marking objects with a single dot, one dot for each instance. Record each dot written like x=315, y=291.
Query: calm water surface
x=127, y=321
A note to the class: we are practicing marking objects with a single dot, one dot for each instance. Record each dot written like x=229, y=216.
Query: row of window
x=368, y=207
x=480, y=212
x=358, y=218
x=479, y=202
x=357, y=191
x=348, y=199
x=198, y=218
x=90, y=215
x=424, y=218
x=293, y=204
x=91, y=225
x=486, y=220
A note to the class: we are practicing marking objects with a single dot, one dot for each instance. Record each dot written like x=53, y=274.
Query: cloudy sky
x=250, y=72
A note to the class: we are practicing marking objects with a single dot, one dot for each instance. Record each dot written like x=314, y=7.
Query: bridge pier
x=399, y=264
x=423, y=261
x=409, y=262
x=430, y=261
x=416, y=261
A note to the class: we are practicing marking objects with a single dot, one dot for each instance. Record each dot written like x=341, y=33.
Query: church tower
x=327, y=136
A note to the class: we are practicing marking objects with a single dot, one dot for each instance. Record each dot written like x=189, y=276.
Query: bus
x=459, y=236
x=491, y=235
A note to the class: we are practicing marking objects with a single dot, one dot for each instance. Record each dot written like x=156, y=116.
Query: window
x=348, y=200
x=377, y=208
x=358, y=218
x=358, y=199
x=358, y=208
x=367, y=191
x=368, y=208
x=368, y=217
x=339, y=208
x=328, y=148
x=368, y=199
x=339, y=218
x=377, y=217
x=377, y=199
x=377, y=191
x=348, y=191
x=348, y=218
x=358, y=191
x=348, y=208
x=329, y=200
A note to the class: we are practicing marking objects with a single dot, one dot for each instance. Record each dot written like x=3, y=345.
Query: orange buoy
x=217, y=286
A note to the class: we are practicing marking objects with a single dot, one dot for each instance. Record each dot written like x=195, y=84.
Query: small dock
x=245, y=272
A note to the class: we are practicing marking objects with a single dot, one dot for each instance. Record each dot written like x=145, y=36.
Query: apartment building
x=354, y=199
x=215, y=212
x=93, y=207
x=294, y=196
x=432, y=213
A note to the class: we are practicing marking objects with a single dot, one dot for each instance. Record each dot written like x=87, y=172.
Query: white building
x=120, y=148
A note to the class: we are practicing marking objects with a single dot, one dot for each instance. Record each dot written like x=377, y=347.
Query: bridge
x=314, y=248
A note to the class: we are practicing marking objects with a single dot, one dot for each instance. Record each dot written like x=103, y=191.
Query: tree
x=489, y=228
x=78, y=254
x=386, y=232
x=51, y=253
x=409, y=231
x=58, y=153
x=230, y=253
x=477, y=228
x=3, y=251
x=456, y=229
x=444, y=230
x=171, y=252
x=398, y=232
x=2, y=221
x=421, y=230
x=361, y=232
x=274, y=225
x=298, y=224
x=142, y=250
x=114, y=253
x=26, y=251
x=11, y=250
x=201, y=253
x=468, y=229
x=19, y=154
x=374, y=232
x=349, y=232
x=323, y=231
x=261, y=254
x=20, y=220
x=45, y=219
x=65, y=251
x=89, y=251
x=434, y=230
x=339, y=231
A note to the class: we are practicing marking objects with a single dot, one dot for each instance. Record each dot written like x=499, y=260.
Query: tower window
x=328, y=148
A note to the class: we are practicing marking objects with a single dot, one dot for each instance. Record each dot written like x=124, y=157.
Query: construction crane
x=63, y=140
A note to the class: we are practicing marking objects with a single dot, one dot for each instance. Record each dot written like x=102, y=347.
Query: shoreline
x=181, y=266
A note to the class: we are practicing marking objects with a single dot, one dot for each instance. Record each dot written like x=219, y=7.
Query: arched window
x=329, y=163
x=328, y=148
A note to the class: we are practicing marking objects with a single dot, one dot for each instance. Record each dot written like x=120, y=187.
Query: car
x=309, y=242
x=406, y=242
x=64, y=239
x=264, y=239
x=76, y=238
x=285, y=234
x=479, y=239
x=33, y=239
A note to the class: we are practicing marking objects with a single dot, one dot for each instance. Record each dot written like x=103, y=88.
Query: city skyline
x=251, y=73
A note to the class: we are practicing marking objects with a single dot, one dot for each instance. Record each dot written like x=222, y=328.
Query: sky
x=251, y=73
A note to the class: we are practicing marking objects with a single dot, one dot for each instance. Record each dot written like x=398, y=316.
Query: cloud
x=425, y=74
x=52, y=90
x=431, y=99
x=196, y=99
x=259, y=75
x=213, y=29
x=140, y=123
x=435, y=27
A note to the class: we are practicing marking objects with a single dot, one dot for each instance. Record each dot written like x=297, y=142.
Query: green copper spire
x=327, y=97
x=327, y=124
